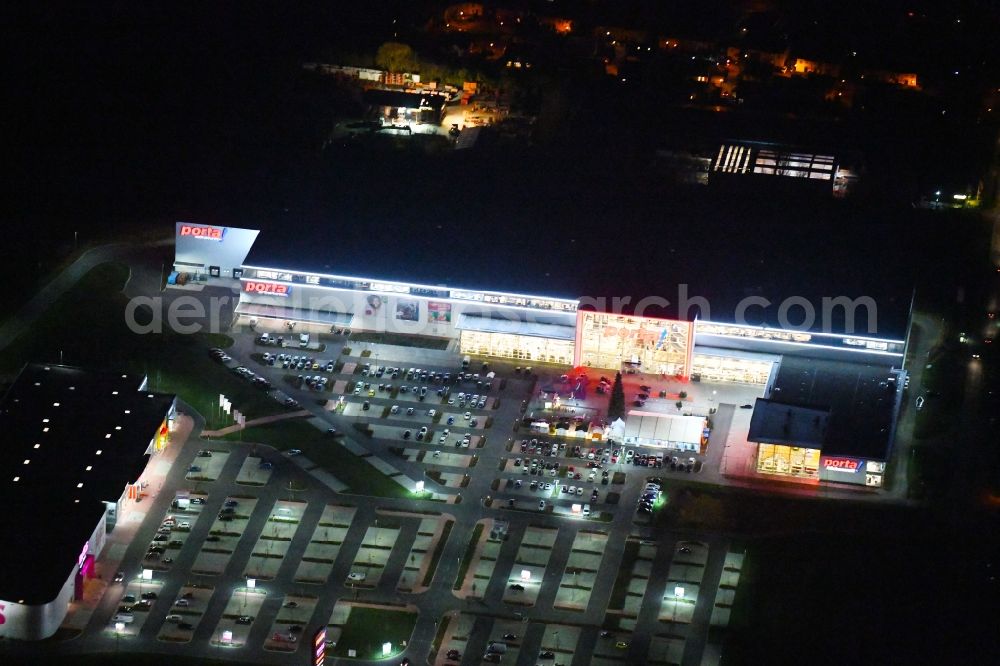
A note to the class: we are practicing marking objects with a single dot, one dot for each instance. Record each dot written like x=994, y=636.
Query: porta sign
x=839, y=464
x=271, y=288
x=202, y=232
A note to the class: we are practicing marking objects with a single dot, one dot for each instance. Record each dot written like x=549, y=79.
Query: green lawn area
x=325, y=451
x=470, y=551
x=942, y=386
x=87, y=327
x=438, y=549
x=624, y=575
x=929, y=471
x=368, y=628
x=897, y=597
x=400, y=339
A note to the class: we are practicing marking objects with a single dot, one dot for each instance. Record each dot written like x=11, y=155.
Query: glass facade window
x=519, y=347
x=731, y=369
x=659, y=346
x=788, y=460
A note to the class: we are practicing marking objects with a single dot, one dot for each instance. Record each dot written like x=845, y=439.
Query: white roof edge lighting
x=569, y=301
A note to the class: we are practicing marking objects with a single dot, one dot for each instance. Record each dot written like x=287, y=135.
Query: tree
x=616, y=406
x=396, y=57
x=679, y=405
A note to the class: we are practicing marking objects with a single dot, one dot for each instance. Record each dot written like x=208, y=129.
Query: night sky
x=130, y=117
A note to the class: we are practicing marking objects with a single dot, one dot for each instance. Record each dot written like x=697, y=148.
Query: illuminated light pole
x=119, y=628
x=251, y=584
x=147, y=574
x=678, y=594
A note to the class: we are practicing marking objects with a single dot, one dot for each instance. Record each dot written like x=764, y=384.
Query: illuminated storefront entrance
x=788, y=461
x=656, y=346
x=736, y=368
x=518, y=347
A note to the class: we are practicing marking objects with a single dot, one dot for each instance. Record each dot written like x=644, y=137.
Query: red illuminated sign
x=203, y=233
x=319, y=647
x=254, y=287
x=842, y=464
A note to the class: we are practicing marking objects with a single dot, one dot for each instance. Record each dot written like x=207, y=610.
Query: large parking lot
x=500, y=542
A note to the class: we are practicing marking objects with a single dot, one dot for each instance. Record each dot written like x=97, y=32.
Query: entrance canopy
x=268, y=311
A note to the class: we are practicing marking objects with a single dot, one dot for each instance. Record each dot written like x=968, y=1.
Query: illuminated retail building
x=77, y=444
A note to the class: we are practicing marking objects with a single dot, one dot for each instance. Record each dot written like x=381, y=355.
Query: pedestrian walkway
x=256, y=422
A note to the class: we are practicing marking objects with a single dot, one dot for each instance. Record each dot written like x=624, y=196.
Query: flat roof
x=776, y=422
x=665, y=427
x=736, y=353
x=860, y=397
x=468, y=322
x=73, y=439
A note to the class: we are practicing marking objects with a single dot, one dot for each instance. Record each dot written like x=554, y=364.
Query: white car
x=431, y=413
x=294, y=452
x=185, y=525
x=356, y=576
x=127, y=618
x=182, y=603
x=467, y=416
x=174, y=618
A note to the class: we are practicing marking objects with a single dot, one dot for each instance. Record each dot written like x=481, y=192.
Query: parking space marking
x=528, y=572
x=581, y=570
x=181, y=622
x=324, y=546
x=269, y=551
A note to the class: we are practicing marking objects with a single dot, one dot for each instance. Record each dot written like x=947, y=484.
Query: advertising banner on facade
x=373, y=304
x=407, y=310
x=200, y=246
x=438, y=312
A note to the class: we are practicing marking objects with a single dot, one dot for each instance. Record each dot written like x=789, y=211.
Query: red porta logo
x=254, y=287
x=842, y=464
x=206, y=233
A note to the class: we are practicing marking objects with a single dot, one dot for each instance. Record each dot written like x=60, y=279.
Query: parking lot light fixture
x=525, y=574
